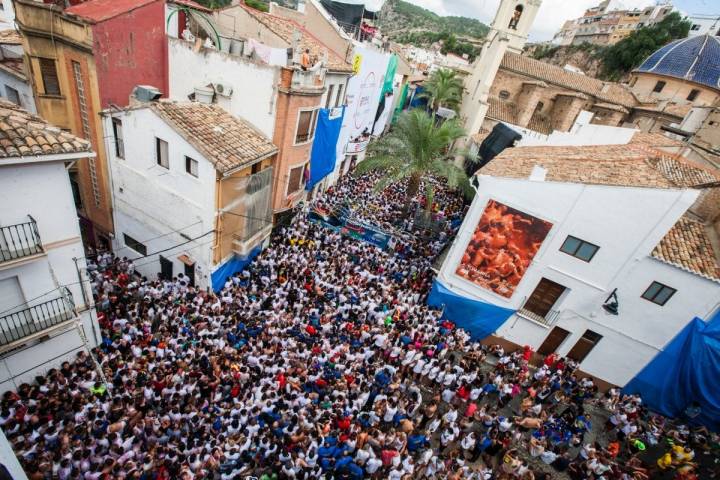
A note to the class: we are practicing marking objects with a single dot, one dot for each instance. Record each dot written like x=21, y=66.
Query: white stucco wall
x=160, y=207
x=8, y=458
x=43, y=191
x=254, y=84
x=626, y=223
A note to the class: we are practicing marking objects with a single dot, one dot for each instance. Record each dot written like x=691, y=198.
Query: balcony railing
x=546, y=320
x=18, y=241
x=28, y=321
x=308, y=79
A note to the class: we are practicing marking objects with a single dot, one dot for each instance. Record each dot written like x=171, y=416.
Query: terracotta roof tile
x=285, y=28
x=688, y=246
x=10, y=37
x=606, y=91
x=227, y=141
x=23, y=133
x=502, y=111
x=656, y=140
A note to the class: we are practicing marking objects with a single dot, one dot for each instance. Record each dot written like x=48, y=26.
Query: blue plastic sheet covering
x=324, y=151
x=231, y=267
x=686, y=371
x=480, y=319
x=417, y=101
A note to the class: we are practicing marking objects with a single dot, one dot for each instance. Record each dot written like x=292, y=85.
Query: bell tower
x=508, y=32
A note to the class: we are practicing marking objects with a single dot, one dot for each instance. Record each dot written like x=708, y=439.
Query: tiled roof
x=226, y=141
x=25, y=134
x=696, y=59
x=656, y=140
x=618, y=165
x=101, y=10
x=14, y=66
x=606, y=91
x=688, y=246
x=284, y=28
x=501, y=110
x=10, y=37
x=683, y=172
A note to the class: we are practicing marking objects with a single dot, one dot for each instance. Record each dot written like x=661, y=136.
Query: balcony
x=307, y=81
x=19, y=241
x=546, y=320
x=35, y=319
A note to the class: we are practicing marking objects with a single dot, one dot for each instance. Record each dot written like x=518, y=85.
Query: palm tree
x=416, y=148
x=443, y=89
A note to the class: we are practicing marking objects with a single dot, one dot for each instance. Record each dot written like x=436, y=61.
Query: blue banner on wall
x=685, y=374
x=231, y=267
x=340, y=223
x=324, y=149
x=480, y=319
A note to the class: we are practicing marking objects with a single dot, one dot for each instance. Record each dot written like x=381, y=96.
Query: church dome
x=695, y=59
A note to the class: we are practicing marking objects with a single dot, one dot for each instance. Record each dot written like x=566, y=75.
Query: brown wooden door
x=584, y=346
x=553, y=341
x=544, y=297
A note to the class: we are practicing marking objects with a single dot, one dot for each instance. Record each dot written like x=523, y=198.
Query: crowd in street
x=321, y=360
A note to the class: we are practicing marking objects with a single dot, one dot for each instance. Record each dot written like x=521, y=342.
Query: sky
x=553, y=13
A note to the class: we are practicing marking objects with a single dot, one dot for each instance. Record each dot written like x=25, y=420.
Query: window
x=161, y=153
x=191, y=166
x=539, y=107
x=134, y=244
x=329, y=99
x=295, y=181
x=256, y=167
x=12, y=95
x=118, y=134
x=305, y=126
x=584, y=346
x=659, y=86
x=339, y=99
x=579, y=248
x=48, y=72
x=542, y=299
x=504, y=94
x=658, y=293
x=693, y=94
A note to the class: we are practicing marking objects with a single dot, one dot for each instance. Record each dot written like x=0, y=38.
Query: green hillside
x=407, y=23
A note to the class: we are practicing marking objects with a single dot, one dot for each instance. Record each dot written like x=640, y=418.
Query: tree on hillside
x=214, y=3
x=443, y=89
x=630, y=52
x=414, y=149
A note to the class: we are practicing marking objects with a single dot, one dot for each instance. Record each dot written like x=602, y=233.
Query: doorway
x=166, y=268
x=584, y=346
x=190, y=273
x=553, y=340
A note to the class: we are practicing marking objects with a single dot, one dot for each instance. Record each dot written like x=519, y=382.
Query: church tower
x=508, y=31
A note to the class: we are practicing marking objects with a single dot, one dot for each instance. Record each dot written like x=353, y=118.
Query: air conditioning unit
x=223, y=89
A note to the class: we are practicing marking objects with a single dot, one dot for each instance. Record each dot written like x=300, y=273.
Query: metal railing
x=22, y=323
x=18, y=241
x=546, y=320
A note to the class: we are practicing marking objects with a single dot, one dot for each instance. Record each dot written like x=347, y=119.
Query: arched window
x=504, y=94
x=516, y=17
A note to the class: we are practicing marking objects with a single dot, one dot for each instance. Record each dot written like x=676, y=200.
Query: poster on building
x=363, y=94
x=502, y=247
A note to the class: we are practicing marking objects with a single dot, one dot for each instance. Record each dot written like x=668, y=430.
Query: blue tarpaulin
x=324, y=149
x=479, y=318
x=686, y=371
x=417, y=101
x=231, y=267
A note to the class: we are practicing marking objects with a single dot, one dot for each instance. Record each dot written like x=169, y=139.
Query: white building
x=45, y=315
x=14, y=85
x=191, y=187
x=704, y=25
x=618, y=218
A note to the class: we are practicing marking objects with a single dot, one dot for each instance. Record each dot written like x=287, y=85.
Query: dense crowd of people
x=321, y=360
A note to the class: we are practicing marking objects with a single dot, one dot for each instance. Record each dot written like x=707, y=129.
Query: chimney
x=144, y=94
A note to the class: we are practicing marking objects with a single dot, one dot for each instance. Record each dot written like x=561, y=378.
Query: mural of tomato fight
x=502, y=247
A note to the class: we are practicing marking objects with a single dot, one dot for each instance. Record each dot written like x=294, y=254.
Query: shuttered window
x=295, y=181
x=48, y=71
